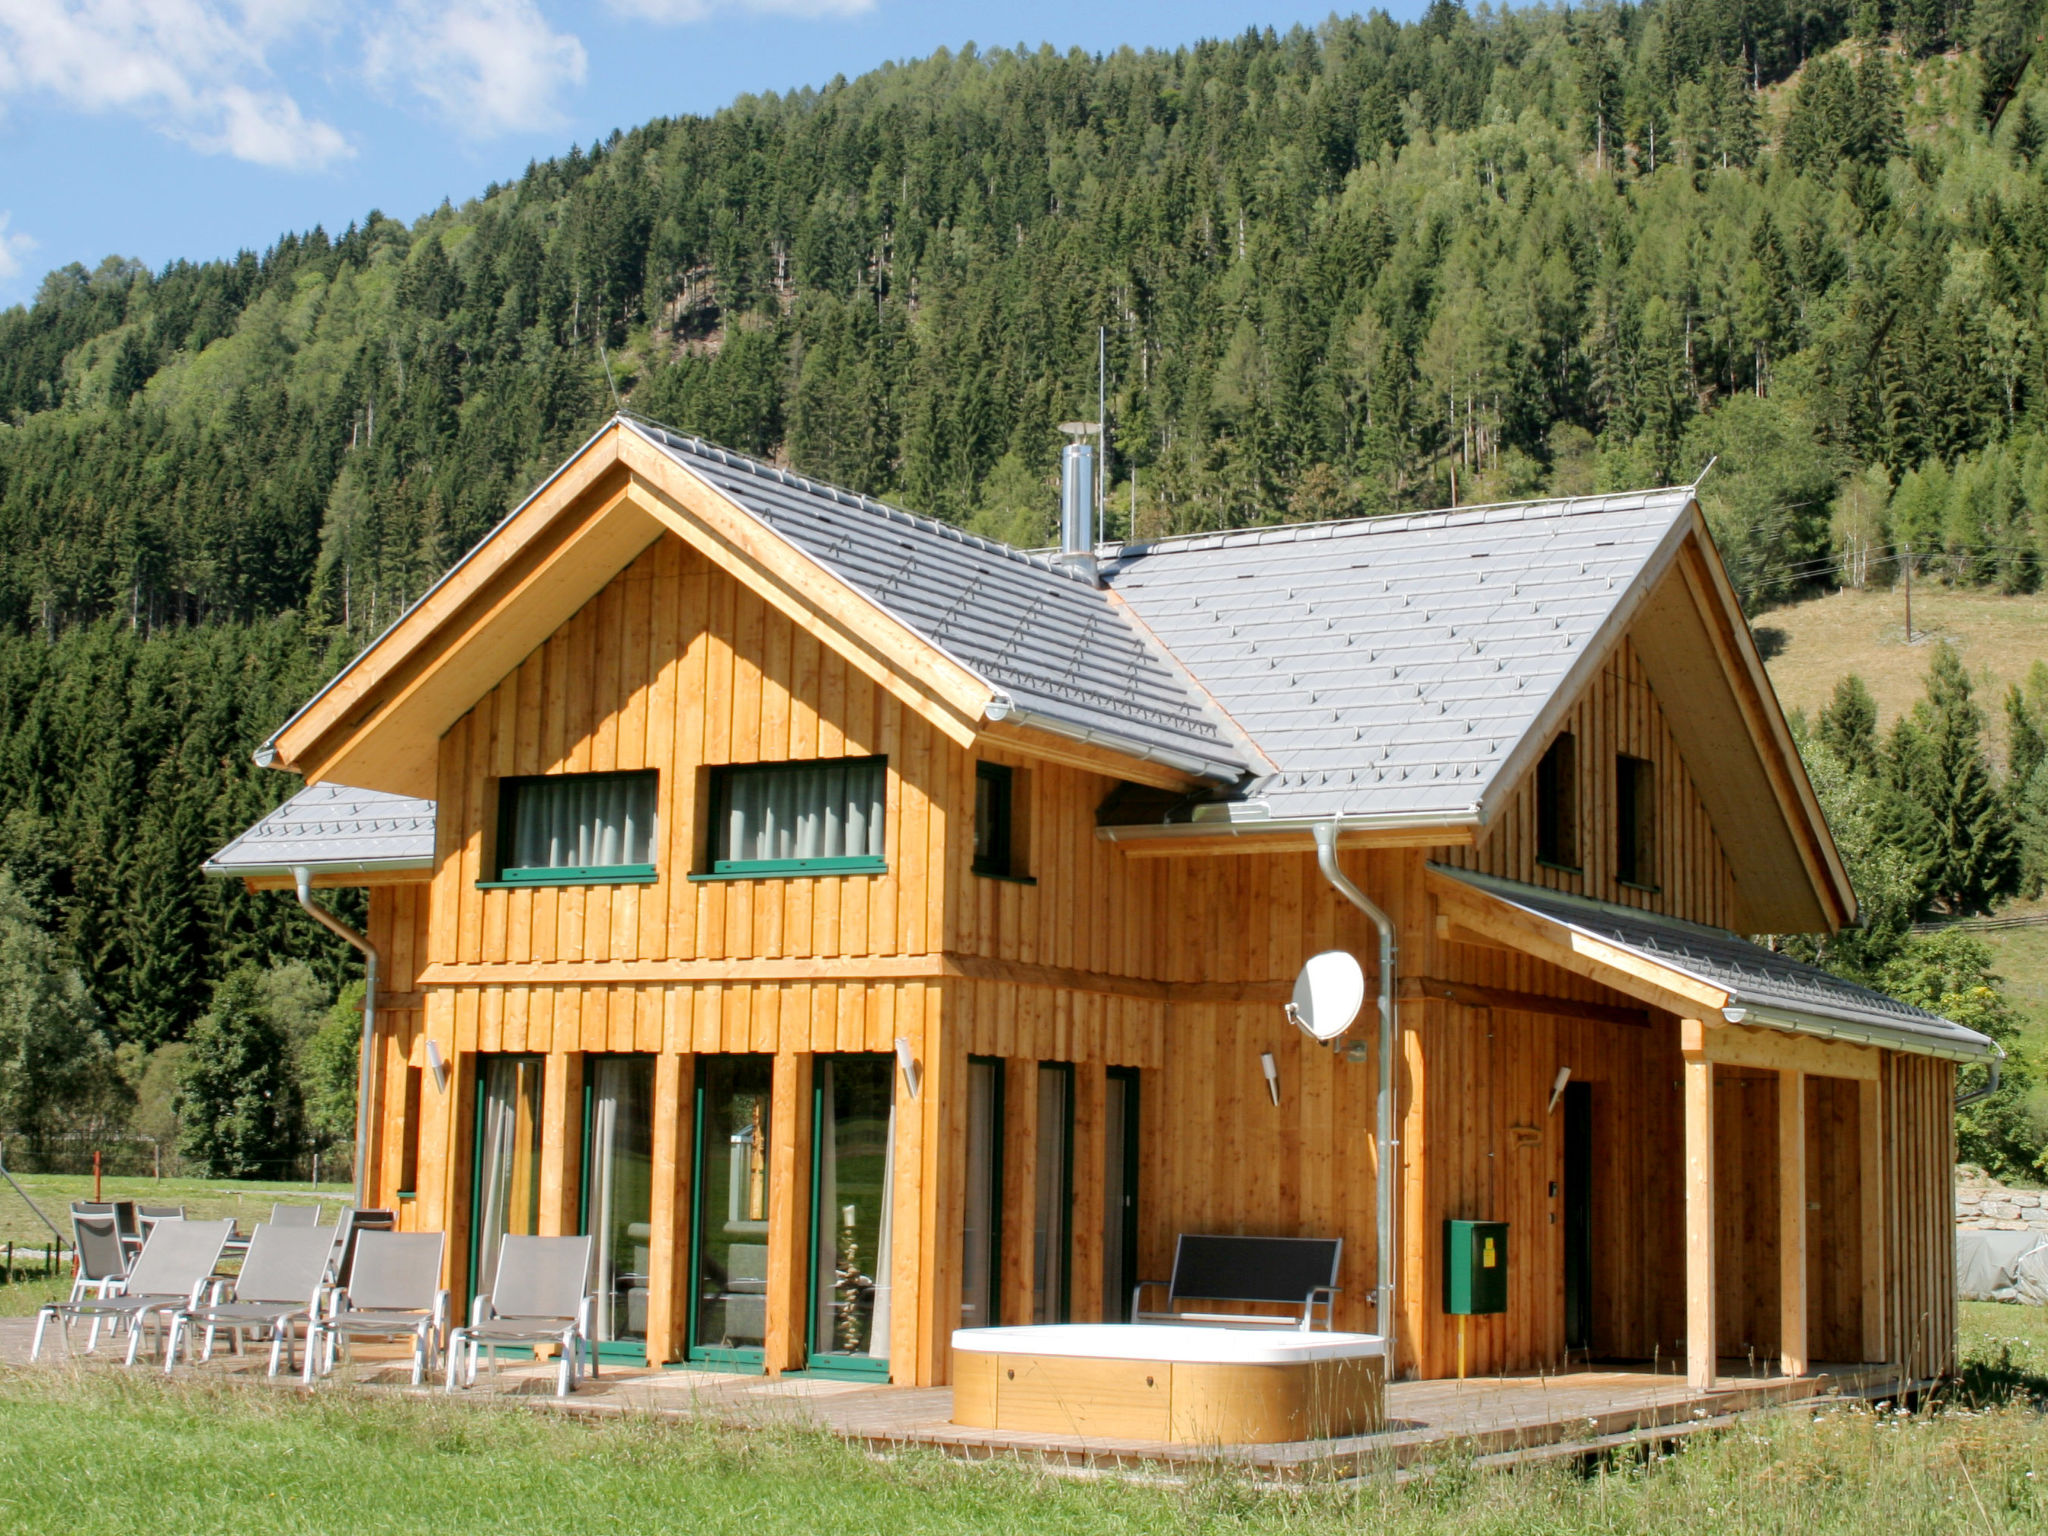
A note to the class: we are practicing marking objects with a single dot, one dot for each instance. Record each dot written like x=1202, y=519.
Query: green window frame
x=536, y=809
x=838, y=805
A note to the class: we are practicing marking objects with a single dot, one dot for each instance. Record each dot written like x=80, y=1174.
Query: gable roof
x=1397, y=672
x=1391, y=666
x=1052, y=647
x=337, y=830
x=1759, y=985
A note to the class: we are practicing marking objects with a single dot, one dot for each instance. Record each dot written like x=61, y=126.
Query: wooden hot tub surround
x=1185, y=1385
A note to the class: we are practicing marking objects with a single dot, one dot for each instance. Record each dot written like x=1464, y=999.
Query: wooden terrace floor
x=1498, y=1418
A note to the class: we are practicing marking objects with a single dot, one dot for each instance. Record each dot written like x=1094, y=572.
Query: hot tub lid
x=1170, y=1342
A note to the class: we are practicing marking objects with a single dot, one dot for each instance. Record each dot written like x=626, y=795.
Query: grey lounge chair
x=102, y=1264
x=350, y=1223
x=541, y=1296
x=278, y=1288
x=392, y=1290
x=294, y=1215
x=167, y=1277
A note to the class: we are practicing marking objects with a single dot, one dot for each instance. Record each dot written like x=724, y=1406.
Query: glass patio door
x=853, y=1173
x=506, y=1179
x=1052, y=1250
x=729, y=1261
x=618, y=1194
x=981, y=1234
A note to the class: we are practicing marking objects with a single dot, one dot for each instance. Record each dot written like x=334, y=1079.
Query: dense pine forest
x=1340, y=271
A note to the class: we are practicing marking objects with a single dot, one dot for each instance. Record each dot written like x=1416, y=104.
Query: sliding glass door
x=506, y=1180
x=729, y=1224
x=1052, y=1232
x=1120, y=1193
x=618, y=1194
x=981, y=1235
x=852, y=1180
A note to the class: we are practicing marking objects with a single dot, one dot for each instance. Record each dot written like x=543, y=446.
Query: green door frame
x=628, y=1351
x=827, y=1363
x=462, y=1304
x=708, y=1354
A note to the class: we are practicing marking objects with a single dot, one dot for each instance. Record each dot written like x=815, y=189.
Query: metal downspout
x=303, y=878
x=1994, y=1068
x=1387, y=1190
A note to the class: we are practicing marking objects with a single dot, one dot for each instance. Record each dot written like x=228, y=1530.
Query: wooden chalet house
x=867, y=930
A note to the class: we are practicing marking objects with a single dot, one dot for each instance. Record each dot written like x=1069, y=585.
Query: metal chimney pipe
x=1077, y=508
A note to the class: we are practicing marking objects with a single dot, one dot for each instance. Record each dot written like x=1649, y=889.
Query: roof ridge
x=1442, y=517
x=747, y=463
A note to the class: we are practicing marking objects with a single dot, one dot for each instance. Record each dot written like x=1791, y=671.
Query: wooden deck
x=1497, y=1418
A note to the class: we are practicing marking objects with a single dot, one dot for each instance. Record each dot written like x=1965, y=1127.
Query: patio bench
x=1295, y=1272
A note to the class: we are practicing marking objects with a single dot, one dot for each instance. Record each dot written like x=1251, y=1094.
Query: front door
x=729, y=1226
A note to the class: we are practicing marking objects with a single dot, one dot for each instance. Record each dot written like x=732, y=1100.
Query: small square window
x=576, y=828
x=1557, y=804
x=1635, y=820
x=819, y=817
x=999, y=826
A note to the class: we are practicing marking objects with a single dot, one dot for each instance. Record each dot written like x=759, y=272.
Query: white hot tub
x=1163, y=1381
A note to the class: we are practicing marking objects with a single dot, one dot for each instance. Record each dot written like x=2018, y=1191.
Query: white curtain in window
x=830, y=811
x=583, y=821
x=509, y=1159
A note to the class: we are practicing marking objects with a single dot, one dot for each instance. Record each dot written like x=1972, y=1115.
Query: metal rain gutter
x=1263, y=826
x=1387, y=1184
x=1002, y=707
x=323, y=867
x=1912, y=1043
x=303, y=877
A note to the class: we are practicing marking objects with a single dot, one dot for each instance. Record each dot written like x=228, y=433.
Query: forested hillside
x=1364, y=267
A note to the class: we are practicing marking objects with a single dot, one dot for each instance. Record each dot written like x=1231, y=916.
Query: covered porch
x=1809, y=1149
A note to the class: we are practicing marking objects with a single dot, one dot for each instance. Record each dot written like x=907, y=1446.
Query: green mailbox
x=1475, y=1267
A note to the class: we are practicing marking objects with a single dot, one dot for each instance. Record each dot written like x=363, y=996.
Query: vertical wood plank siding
x=1173, y=966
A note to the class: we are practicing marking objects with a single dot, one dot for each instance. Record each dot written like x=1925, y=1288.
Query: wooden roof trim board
x=376, y=725
x=1008, y=735
x=1703, y=568
x=1611, y=966
x=803, y=590
x=340, y=706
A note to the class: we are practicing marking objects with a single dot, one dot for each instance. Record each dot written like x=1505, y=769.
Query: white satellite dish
x=1328, y=994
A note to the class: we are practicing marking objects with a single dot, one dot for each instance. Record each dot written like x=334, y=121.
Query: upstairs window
x=1635, y=820
x=1557, y=804
x=576, y=828
x=999, y=830
x=808, y=818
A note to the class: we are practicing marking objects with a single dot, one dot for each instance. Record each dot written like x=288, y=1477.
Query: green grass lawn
x=113, y=1452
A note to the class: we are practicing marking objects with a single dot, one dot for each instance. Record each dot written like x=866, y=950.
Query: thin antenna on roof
x=1711, y=462
x=616, y=403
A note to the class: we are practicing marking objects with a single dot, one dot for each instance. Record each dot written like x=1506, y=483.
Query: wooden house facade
x=868, y=931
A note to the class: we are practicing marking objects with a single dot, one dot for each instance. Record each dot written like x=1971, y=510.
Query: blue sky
x=194, y=128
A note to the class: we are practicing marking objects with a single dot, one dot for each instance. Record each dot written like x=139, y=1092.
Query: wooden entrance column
x=1701, y=1336
x=1792, y=1343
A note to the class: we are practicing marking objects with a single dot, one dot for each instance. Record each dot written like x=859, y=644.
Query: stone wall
x=1985, y=1205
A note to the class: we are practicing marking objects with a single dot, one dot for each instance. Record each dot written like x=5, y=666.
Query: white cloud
x=12, y=249
x=488, y=66
x=196, y=70
x=697, y=10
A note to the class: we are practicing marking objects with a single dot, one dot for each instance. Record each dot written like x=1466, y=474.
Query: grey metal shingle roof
x=332, y=828
x=1757, y=979
x=1388, y=666
x=1057, y=646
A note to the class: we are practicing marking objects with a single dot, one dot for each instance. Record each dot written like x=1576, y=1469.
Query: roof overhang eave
x=1465, y=820
x=1857, y=1032
x=317, y=867
x=1002, y=708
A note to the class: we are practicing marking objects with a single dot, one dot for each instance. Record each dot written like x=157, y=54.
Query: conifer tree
x=1848, y=725
x=238, y=1099
x=1974, y=860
